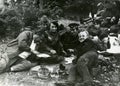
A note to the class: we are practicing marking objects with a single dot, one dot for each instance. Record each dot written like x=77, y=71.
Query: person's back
x=19, y=45
x=23, y=41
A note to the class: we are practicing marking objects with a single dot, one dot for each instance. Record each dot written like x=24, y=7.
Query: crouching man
x=86, y=59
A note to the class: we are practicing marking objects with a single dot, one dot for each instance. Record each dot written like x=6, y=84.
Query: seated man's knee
x=89, y=59
x=82, y=61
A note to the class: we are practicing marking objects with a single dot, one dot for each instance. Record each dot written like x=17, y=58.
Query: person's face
x=82, y=36
x=44, y=25
x=53, y=28
x=73, y=30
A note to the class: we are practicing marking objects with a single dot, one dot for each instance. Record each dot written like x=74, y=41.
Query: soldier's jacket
x=21, y=43
x=68, y=40
x=14, y=48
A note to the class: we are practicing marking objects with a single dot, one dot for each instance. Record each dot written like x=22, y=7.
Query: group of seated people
x=50, y=46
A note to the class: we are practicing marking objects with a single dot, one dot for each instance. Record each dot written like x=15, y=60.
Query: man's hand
x=53, y=51
x=64, y=53
x=43, y=55
x=71, y=50
x=35, y=52
x=101, y=52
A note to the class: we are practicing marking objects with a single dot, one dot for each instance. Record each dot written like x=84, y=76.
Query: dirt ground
x=23, y=79
x=26, y=78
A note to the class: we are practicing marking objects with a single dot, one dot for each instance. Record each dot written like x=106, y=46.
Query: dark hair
x=44, y=20
x=56, y=24
x=73, y=24
x=61, y=27
x=114, y=29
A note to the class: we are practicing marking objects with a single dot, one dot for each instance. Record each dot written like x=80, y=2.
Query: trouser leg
x=23, y=65
x=85, y=63
x=72, y=74
x=12, y=61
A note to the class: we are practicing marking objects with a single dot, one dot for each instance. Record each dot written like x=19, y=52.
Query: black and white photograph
x=59, y=42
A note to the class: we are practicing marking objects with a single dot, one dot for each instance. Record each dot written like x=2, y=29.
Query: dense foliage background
x=20, y=13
